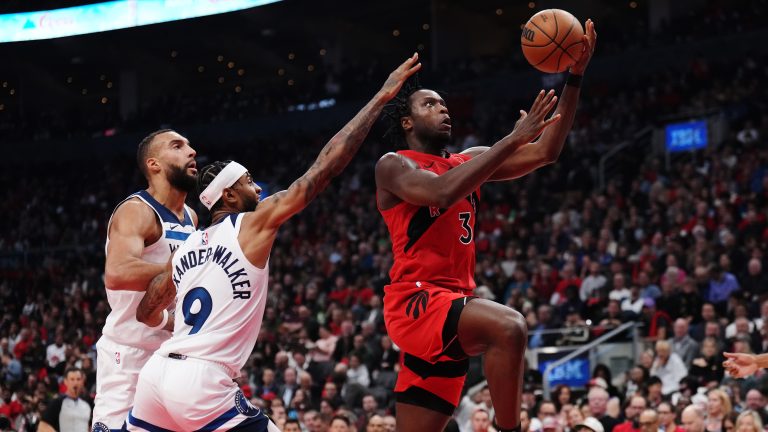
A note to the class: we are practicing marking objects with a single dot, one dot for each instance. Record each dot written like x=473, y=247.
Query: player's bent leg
x=149, y=413
x=499, y=332
x=413, y=418
x=429, y=385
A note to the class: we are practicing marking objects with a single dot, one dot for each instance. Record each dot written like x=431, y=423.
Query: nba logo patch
x=205, y=237
x=117, y=358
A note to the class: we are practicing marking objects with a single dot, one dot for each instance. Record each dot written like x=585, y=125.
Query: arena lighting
x=113, y=15
x=322, y=104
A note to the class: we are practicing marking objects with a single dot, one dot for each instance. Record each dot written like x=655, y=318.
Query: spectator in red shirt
x=9, y=407
x=569, y=278
x=340, y=291
x=23, y=344
x=635, y=406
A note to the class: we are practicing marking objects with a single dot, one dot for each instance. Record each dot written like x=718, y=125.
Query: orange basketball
x=552, y=40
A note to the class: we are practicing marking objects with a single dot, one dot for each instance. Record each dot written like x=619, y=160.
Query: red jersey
x=431, y=244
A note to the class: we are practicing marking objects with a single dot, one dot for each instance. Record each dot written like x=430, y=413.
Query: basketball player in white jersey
x=142, y=233
x=219, y=279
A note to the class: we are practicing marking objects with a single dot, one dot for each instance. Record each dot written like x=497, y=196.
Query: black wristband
x=573, y=80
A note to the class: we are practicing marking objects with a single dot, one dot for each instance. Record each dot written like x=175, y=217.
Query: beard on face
x=179, y=179
x=249, y=204
x=433, y=139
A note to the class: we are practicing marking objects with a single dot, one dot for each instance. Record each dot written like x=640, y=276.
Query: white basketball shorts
x=179, y=393
x=117, y=371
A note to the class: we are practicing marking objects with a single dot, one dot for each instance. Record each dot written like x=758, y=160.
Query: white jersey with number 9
x=220, y=297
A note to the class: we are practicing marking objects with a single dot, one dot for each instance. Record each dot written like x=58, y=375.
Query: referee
x=68, y=412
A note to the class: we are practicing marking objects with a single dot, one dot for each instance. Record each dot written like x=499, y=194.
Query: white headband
x=226, y=178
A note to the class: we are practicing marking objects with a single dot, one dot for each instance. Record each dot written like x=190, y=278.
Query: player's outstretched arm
x=403, y=178
x=743, y=365
x=161, y=292
x=333, y=158
x=546, y=150
x=132, y=224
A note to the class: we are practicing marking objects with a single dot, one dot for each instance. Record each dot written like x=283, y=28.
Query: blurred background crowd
x=675, y=244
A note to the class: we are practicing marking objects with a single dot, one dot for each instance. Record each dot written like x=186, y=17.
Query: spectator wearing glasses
x=756, y=402
x=667, y=418
x=636, y=405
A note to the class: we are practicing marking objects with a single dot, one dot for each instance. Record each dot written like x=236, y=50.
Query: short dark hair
x=342, y=418
x=653, y=380
x=73, y=369
x=206, y=175
x=143, y=151
x=292, y=421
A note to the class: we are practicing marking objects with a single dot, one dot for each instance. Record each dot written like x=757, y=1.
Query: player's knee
x=514, y=330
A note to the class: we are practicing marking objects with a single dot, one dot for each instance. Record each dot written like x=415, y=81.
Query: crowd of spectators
x=343, y=79
x=680, y=249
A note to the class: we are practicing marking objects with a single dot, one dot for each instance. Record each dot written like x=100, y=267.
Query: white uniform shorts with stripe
x=117, y=371
x=187, y=394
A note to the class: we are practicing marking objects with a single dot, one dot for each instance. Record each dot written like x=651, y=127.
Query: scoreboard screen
x=686, y=136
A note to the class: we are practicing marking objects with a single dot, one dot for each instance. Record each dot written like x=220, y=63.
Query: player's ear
x=406, y=123
x=228, y=195
x=153, y=165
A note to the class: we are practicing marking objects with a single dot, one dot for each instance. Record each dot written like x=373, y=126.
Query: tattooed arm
x=334, y=157
x=259, y=228
x=161, y=292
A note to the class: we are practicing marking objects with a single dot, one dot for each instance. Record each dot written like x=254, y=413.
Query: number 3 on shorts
x=467, y=238
x=197, y=318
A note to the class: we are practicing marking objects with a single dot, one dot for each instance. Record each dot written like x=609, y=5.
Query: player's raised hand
x=588, y=48
x=740, y=365
x=531, y=124
x=398, y=77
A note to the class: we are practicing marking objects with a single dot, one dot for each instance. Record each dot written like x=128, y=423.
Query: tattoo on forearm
x=339, y=151
x=158, y=296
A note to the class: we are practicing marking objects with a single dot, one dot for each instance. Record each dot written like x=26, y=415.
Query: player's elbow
x=120, y=280
x=548, y=157
x=442, y=194
x=444, y=199
x=114, y=279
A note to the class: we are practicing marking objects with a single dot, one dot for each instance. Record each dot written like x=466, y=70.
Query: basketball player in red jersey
x=429, y=199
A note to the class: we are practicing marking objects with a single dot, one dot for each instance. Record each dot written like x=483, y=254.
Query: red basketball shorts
x=423, y=319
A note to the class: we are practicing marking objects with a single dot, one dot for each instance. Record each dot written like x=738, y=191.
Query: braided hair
x=206, y=175
x=397, y=109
